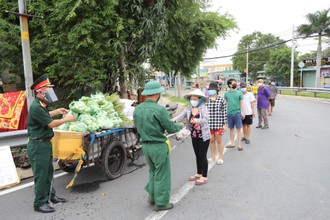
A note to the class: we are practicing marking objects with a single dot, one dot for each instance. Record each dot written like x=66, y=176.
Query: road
x=282, y=174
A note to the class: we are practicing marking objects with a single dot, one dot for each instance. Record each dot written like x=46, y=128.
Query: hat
x=196, y=92
x=213, y=86
x=242, y=84
x=152, y=88
x=42, y=81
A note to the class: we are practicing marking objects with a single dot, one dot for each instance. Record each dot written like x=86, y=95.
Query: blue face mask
x=243, y=89
x=212, y=92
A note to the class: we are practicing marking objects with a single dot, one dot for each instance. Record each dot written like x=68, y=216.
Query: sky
x=275, y=17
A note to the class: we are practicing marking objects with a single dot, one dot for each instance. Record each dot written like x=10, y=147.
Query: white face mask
x=259, y=84
x=194, y=103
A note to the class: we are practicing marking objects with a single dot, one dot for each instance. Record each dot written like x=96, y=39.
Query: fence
x=315, y=91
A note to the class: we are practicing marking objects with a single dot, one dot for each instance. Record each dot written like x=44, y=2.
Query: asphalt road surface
x=282, y=174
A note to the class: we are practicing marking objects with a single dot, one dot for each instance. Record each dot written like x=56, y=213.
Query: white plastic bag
x=182, y=134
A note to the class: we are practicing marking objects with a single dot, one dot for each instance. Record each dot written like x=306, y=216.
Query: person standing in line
x=255, y=89
x=197, y=116
x=151, y=121
x=235, y=113
x=249, y=101
x=262, y=104
x=39, y=148
x=217, y=121
x=273, y=94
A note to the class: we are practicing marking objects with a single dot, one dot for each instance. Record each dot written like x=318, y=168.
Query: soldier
x=39, y=147
x=151, y=121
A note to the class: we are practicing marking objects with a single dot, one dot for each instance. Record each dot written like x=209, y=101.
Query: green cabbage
x=96, y=112
x=78, y=126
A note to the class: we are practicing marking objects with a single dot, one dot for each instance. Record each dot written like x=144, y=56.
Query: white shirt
x=248, y=98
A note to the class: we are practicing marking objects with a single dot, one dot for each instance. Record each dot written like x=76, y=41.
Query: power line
x=261, y=48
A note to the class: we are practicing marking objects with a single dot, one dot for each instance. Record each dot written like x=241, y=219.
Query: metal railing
x=14, y=139
x=313, y=90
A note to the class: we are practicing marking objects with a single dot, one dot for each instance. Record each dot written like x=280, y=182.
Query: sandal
x=230, y=146
x=194, y=178
x=219, y=162
x=210, y=160
x=201, y=181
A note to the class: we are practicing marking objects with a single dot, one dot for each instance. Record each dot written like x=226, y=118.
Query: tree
x=10, y=41
x=191, y=31
x=318, y=23
x=258, y=57
x=278, y=66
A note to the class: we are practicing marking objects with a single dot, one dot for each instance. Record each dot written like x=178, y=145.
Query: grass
x=176, y=99
x=307, y=94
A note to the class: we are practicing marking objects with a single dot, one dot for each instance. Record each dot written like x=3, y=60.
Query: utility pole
x=247, y=64
x=23, y=17
x=292, y=56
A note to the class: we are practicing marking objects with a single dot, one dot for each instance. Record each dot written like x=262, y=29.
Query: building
x=309, y=71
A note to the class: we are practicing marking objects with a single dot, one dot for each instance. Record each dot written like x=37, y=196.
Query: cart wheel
x=114, y=159
x=68, y=166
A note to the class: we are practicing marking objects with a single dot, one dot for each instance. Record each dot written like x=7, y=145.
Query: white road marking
x=182, y=191
x=6, y=191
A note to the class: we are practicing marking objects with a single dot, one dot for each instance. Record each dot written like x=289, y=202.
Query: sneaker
x=163, y=208
x=247, y=141
x=210, y=160
x=240, y=148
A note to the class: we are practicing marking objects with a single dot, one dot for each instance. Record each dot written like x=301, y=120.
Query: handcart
x=110, y=148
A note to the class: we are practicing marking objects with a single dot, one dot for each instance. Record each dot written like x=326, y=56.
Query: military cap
x=42, y=81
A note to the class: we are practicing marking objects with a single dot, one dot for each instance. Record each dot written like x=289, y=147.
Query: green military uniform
x=39, y=149
x=151, y=121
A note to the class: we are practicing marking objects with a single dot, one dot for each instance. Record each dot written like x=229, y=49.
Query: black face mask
x=234, y=85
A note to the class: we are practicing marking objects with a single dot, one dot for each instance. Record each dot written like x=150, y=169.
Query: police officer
x=151, y=121
x=39, y=147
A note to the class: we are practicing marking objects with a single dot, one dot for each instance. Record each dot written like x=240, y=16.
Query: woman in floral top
x=217, y=121
x=197, y=117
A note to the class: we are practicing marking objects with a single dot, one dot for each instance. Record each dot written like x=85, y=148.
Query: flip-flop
x=201, y=181
x=230, y=146
x=194, y=178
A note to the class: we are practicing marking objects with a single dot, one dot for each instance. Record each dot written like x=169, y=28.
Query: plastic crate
x=68, y=145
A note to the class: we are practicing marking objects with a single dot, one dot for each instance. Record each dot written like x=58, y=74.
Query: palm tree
x=318, y=23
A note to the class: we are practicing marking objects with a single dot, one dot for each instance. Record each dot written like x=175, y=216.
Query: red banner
x=13, y=111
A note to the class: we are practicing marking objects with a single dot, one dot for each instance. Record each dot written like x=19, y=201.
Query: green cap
x=152, y=88
x=42, y=81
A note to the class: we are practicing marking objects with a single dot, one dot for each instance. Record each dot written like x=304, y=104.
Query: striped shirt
x=217, y=113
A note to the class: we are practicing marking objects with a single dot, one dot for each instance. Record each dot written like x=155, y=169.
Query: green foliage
x=279, y=66
x=318, y=23
x=191, y=31
x=10, y=41
x=257, y=58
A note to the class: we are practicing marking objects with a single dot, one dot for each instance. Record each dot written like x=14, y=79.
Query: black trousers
x=200, y=148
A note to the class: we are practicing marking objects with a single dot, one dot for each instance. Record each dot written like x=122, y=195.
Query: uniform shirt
x=38, y=120
x=233, y=99
x=217, y=113
x=248, y=98
x=151, y=120
x=263, y=95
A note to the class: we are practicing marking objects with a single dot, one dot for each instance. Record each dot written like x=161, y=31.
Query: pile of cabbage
x=97, y=112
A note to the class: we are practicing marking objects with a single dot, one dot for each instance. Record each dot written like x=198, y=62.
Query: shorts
x=272, y=102
x=247, y=120
x=220, y=131
x=235, y=120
